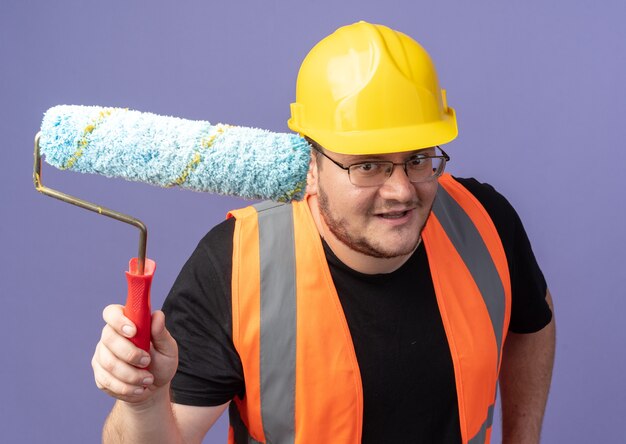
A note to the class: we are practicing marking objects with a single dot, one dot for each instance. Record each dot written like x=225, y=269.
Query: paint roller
x=167, y=151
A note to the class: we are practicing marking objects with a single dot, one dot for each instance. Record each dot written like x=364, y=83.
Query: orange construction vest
x=302, y=378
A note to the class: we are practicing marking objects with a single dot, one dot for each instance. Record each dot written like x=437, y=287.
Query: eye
x=417, y=161
x=366, y=168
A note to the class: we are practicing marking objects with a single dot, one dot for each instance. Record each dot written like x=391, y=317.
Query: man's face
x=383, y=221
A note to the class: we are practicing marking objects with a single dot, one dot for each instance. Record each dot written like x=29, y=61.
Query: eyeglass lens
x=418, y=169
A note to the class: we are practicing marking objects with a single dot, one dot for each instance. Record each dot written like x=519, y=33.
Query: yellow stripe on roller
x=220, y=129
x=83, y=142
x=289, y=195
x=204, y=144
x=190, y=167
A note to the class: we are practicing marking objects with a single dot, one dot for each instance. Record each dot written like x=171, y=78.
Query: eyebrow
x=379, y=157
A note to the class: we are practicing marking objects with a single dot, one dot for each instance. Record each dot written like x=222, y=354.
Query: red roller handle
x=137, y=307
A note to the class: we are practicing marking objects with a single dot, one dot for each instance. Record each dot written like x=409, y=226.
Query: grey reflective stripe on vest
x=475, y=255
x=472, y=249
x=480, y=437
x=278, y=322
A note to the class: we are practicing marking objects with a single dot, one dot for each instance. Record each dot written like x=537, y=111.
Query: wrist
x=157, y=398
x=148, y=421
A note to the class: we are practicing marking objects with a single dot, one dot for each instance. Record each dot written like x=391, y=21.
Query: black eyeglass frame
x=444, y=156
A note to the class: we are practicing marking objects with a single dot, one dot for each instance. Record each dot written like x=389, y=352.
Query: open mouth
x=394, y=215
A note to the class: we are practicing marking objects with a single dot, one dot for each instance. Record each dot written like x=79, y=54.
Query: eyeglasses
x=424, y=166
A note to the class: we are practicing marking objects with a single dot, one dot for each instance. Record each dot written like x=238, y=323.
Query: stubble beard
x=338, y=227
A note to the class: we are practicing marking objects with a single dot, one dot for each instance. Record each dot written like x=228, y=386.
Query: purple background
x=539, y=92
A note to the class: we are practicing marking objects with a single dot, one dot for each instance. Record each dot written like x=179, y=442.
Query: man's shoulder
x=483, y=191
x=496, y=205
x=501, y=212
x=219, y=237
x=222, y=233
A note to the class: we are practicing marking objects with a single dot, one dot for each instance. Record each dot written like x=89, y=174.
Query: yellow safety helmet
x=367, y=89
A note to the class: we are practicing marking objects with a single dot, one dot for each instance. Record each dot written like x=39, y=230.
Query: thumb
x=162, y=341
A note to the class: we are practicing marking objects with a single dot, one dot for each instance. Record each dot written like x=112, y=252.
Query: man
x=382, y=308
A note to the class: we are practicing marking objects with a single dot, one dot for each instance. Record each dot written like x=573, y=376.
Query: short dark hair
x=313, y=143
x=316, y=146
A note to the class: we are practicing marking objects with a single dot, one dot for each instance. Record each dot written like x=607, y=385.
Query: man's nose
x=398, y=186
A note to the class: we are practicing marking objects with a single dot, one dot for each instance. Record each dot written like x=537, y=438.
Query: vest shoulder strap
x=471, y=280
x=302, y=377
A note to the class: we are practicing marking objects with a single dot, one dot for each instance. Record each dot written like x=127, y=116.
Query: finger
x=108, y=383
x=123, y=349
x=113, y=315
x=162, y=341
x=119, y=369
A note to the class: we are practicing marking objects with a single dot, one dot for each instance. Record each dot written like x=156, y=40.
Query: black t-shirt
x=399, y=340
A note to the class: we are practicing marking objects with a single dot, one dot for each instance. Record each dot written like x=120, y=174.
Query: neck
x=354, y=259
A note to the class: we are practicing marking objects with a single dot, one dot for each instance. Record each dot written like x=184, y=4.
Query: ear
x=312, y=175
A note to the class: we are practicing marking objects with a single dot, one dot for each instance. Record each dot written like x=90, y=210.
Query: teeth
x=393, y=215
